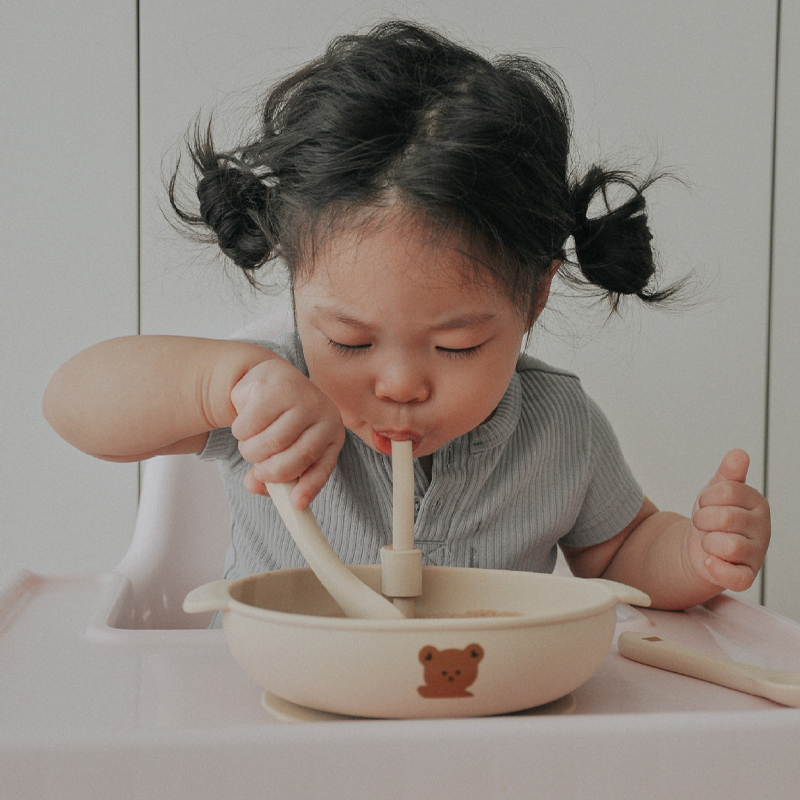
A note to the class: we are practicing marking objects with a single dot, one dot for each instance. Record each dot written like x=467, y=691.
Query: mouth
x=382, y=440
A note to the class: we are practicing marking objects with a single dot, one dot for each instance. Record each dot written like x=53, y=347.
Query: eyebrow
x=454, y=323
x=340, y=316
x=464, y=321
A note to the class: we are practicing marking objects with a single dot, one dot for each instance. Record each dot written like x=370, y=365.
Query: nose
x=402, y=382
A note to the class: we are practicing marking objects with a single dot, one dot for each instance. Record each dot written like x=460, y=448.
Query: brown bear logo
x=448, y=673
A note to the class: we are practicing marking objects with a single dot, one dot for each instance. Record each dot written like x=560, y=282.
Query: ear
x=543, y=290
x=474, y=651
x=426, y=655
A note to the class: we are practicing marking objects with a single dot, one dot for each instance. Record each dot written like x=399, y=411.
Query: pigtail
x=402, y=116
x=237, y=204
x=613, y=249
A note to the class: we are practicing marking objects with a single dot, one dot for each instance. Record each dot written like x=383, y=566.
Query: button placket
x=435, y=529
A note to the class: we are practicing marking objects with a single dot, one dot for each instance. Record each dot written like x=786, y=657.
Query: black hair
x=403, y=115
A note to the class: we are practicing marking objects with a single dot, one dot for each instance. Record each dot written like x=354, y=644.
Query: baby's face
x=401, y=337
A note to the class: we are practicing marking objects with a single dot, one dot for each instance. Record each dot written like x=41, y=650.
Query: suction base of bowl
x=286, y=711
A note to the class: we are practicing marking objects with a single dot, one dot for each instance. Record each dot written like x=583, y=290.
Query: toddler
x=421, y=198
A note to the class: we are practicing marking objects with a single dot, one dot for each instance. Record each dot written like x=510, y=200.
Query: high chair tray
x=91, y=709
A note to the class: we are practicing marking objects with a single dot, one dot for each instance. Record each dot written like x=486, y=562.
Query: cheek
x=338, y=379
x=471, y=398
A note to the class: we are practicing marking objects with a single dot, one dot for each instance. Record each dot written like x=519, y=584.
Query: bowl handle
x=209, y=597
x=623, y=593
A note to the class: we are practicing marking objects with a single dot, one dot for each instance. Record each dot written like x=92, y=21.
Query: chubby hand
x=287, y=428
x=730, y=526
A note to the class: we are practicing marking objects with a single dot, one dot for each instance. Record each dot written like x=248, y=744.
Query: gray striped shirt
x=545, y=468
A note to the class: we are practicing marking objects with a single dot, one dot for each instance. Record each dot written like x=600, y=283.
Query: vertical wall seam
x=770, y=270
x=138, y=175
x=138, y=193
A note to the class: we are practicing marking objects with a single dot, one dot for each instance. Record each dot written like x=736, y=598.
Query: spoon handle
x=355, y=598
x=675, y=657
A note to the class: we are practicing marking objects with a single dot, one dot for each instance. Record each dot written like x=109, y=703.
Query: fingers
x=314, y=478
x=311, y=447
x=736, y=577
x=734, y=467
x=287, y=429
x=253, y=485
x=276, y=436
x=733, y=509
x=731, y=547
x=729, y=560
x=730, y=493
x=309, y=483
x=723, y=517
x=731, y=526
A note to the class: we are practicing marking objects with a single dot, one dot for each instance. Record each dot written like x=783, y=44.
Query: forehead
x=368, y=246
x=396, y=282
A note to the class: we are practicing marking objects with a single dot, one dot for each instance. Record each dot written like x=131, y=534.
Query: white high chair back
x=182, y=527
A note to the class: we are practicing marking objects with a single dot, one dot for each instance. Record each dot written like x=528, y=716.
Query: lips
x=382, y=440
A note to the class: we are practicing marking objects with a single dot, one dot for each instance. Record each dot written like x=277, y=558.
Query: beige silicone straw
x=404, y=566
x=402, y=496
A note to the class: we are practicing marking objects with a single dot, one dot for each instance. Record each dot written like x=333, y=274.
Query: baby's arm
x=680, y=562
x=135, y=397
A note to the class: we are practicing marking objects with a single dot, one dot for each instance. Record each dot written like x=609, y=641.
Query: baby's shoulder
x=287, y=345
x=547, y=390
x=531, y=368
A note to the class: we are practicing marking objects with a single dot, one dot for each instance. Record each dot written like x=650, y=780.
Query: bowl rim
x=605, y=600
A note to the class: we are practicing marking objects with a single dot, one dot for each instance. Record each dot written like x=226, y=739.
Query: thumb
x=734, y=467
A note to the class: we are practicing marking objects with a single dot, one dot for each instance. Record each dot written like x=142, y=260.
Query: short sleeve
x=221, y=444
x=613, y=497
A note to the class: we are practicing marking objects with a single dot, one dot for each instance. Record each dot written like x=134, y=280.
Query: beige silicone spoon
x=780, y=687
x=355, y=598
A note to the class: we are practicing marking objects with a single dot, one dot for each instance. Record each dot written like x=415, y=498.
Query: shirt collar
x=499, y=427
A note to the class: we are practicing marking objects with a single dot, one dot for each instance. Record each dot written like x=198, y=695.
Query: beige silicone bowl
x=287, y=633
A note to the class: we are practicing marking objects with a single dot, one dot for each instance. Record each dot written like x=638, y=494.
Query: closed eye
x=453, y=352
x=460, y=352
x=348, y=349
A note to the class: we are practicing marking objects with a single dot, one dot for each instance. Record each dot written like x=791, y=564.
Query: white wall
x=69, y=269
x=690, y=82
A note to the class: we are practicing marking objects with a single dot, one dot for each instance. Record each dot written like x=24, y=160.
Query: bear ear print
x=475, y=651
x=427, y=653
